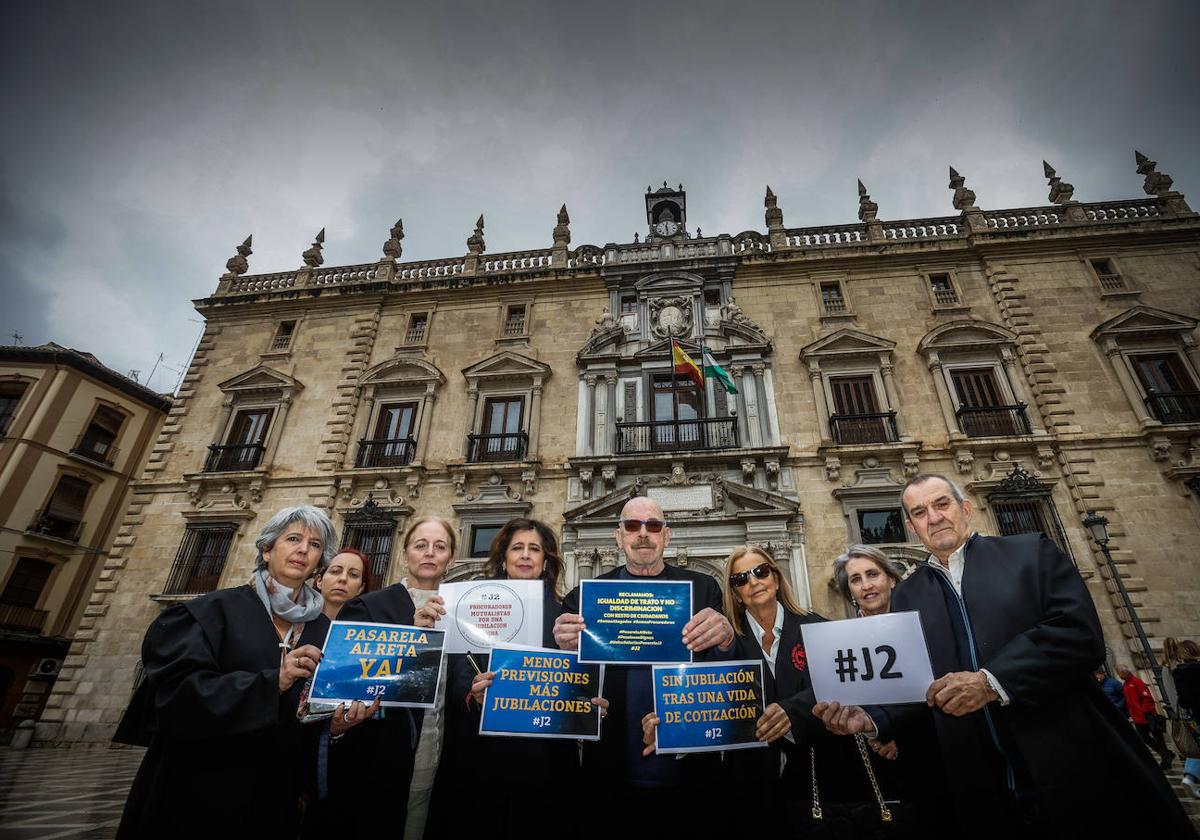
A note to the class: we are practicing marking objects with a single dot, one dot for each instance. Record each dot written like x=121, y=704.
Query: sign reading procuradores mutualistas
x=361, y=660
x=708, y=706
x=634, y=622
x=482, y=613
x=541, y=693
x=877, y=660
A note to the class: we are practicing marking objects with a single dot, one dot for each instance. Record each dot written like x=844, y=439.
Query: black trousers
x=1152, y=733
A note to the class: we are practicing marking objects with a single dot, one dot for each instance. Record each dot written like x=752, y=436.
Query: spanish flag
x=686, y=366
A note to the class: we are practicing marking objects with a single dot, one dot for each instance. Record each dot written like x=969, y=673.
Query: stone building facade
x=1045, y=356
x=73, y=435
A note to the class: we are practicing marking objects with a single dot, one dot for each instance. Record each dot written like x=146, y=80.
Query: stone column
x=1016, y=378
x=589, y=418
x=943, y=393
x=276, y=431
x=1134, y=394
x=760, y=393
x=1192, y=350
x=888, y=372
x=599, y=416
x=611, y=437
x=740, y=406
x=426, y=421
x=222, y=423
x=535, y=418
x=473, y=393
x=751, y=393
x=814, y=374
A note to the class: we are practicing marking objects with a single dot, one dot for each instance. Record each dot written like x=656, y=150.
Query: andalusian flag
x=711, y=368
x=685, y=365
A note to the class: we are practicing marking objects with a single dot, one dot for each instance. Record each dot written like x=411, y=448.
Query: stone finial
x=237, y=265
x=313, y=256
x=1157, y=183
x=1060, y=190
x=392, y=249
x=475, y=240
x=774, y=215
x=964, y=199
x=867, y=209
x=562, y=230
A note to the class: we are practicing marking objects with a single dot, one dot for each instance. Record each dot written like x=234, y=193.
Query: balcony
x=59, y=527
x=99, y=450
x=17, y=617
x=394, y=452
x=415, y=334
x=676, y=435
x=945, y=296
x=486, y=448
x=1175, y=406
x=855, y=429
x=993, y=420
x=233, y=458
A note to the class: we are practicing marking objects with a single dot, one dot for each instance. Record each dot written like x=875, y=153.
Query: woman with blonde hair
x=1182, y=661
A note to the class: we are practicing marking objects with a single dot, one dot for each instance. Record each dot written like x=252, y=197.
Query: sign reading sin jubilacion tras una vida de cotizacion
x=363, y=660
x=710, y=706
x=540, y=693
x=634, y=622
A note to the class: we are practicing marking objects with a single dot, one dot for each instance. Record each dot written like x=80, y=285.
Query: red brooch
x=799, y=658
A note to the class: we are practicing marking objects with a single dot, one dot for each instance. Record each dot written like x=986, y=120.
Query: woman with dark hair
x=217, y=708
x=866, y=577
x=343, y=579
x=497, y=775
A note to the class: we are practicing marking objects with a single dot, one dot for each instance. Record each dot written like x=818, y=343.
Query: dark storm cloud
x=150, y=139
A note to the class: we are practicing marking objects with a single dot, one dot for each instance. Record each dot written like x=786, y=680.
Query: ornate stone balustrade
x=1119, y=211
x=816, y=237
x=429, y=268
x=336, y=275
x=515, y=261
x=1026, y=217
x=945, y=228
x=263, y=283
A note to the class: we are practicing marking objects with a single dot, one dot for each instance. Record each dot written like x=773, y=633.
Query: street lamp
x=1097, y=526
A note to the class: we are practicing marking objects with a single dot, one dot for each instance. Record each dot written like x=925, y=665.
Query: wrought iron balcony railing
x=1175, y=406
x=59, y=527
x=232, y=458
x=850, y=429
x=17, y=617
x=510, y=447
x=676, y=435
x=391, y=452
x=993, y=420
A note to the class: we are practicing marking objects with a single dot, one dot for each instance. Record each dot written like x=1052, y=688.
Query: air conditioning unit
x=46, y=668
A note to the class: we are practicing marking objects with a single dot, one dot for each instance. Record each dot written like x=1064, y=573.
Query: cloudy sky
x=145, y=140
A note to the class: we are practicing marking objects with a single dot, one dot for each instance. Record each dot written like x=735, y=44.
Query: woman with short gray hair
x=217, y=708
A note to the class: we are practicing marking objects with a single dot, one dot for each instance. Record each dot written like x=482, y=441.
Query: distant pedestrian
x=1113, y=690
x=1143, y=711
x=1183, y=658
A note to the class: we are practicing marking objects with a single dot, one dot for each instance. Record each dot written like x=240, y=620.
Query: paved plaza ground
x=49, y=793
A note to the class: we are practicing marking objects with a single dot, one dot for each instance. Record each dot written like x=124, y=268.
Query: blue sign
x=541, y=693
x=363, y=660
x=711, y=706
x=634, y=622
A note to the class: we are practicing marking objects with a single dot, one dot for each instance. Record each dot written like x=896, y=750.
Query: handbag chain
x=885, y=813
x=816, y=797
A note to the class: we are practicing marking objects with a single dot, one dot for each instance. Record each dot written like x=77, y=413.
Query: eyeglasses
x=762, y=571
x=652, y=526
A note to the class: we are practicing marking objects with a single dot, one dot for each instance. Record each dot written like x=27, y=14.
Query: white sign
x=877, y=660
x=698, y=497
x=481, y=613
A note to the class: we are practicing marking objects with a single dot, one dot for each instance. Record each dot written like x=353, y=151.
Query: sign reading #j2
x=634, y=622
x=708, y=706
x=363, y=660
x=877, y=660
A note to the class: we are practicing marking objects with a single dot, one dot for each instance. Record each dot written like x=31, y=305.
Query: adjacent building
x=73, y=433
x=1045, y=357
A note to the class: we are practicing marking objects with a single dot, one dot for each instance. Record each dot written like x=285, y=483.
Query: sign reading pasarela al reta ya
x=877, y=660
x=634, y=621
x=541, y=693
x=482, y=613
x=708, y=706
x=361, y=660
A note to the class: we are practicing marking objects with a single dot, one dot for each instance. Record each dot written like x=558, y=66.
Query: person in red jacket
x=1144, y=713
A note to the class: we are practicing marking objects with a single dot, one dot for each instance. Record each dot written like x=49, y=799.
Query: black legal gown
x=225, y=748
x=495, y=786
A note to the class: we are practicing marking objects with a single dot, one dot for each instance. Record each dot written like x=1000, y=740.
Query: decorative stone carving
x=529, y=481
x=773, y=215
x=475, y=244
x=585, y=482
x=748, y=470
x=1160, y=448
x=963, y=461
x=867, y=209
x=912, y=464
x=771, y=466
x=678, y=475
x=964, y=199
x=313, y=256
x=460, y=483
x=833, y=468
x=671, y=317
x=1060, y=190
x=1157, y=183
x=608, y=474
x=681, y=557
x=562, y=230
x=603, y=324
x=392, y=248
x=413, y=484
x=1045, y=457
x=238, y=265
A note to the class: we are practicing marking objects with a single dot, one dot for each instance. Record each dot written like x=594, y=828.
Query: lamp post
x=1097, y=525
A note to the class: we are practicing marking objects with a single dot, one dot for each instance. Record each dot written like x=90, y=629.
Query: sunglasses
x=652, y=526
x=762, y=571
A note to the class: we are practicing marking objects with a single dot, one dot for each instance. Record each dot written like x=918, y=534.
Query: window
x=371, y=529
x=63, y=514
x=502, y=438
x=1107, y=276
x=1023, y=505
x=678, y=403
x=515, y=320
x=26, y=582
x=201, y=559
x=1171, y=393
x=629, y=305
x=712, y=297
x=10, y=398
x=284, y=333
x=245, y=444
x=984, y=410
x=942, y=287
x=856, y=416
x=97, y=441
x=881, y=525
x=418, y=326
x=392, y=444
x=481, y=539
x=833, y=302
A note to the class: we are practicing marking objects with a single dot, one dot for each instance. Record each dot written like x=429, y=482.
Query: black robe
x=519, y=787
x=377, y=755
x=1036, y=630
x=225, y=747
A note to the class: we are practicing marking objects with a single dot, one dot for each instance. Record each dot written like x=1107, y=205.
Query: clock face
x=666, y=228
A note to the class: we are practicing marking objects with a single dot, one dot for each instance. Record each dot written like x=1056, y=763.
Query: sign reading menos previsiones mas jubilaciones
x=541, y=693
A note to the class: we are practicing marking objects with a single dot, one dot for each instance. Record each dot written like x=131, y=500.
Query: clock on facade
x=666, y=228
